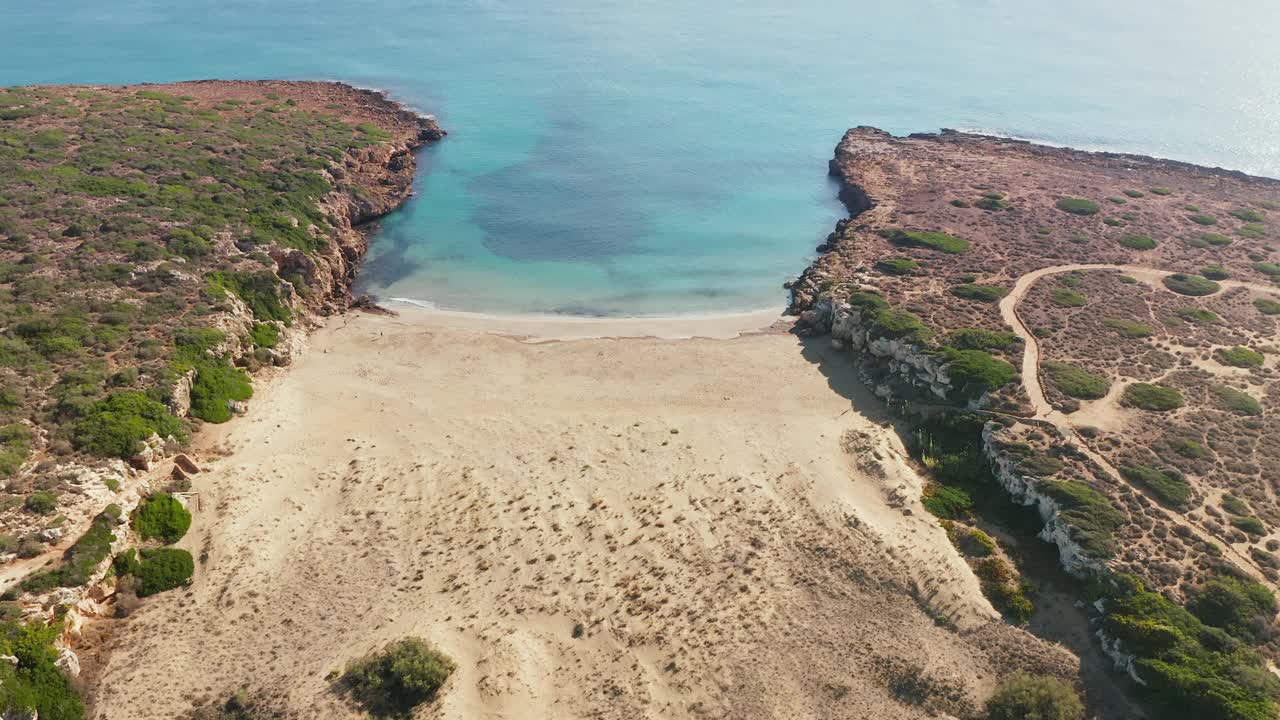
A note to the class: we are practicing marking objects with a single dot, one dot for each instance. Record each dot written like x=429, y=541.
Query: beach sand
x=603, y=528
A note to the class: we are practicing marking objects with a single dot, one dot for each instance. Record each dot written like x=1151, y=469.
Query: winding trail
x=1046, y=412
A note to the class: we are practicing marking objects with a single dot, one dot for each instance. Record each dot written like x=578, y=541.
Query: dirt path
x=1045, y=411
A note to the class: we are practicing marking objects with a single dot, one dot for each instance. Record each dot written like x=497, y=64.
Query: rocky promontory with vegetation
x=1091, y=337
x=159, y=244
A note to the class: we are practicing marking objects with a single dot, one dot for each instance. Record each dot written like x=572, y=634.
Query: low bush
x=15, y=446
x=1190, y=449
x=162, y=516
x=266, y=335
x=932, y=240
x=1092, y=517
x=1241, y=607
x=1135, y=193
x=33, y=681
x=1214, y=239
x=1167, y=485
x=1267, y=307
x=1269, y=269
x=41, y=503
x=979, y=339
x=1129, y=328
x=1078, y=206
x=1248, y=215
x=397, y=679
x=1074, y=381
x=949, y=503
x=1000, y=585
x=971, y=542
x=1238, y=402
x=82, y=558
x=1254, y=231
x=977, y=371
x=1027, y=697
x=1138, y=242
x=1148, y=396
x=1250, y=525
x=1193, y=285
x=116, y=426
x=1215, y=272
x=261, y=291
x=981, y=293
x=1040, y=465
x=1241, y=357
x=217, y=383
x=1198, y=316
x=885, y=321
x=158, y=570
x=1234, y=505
x=1161, y=191
x=1064, y=297
x=1202, y=219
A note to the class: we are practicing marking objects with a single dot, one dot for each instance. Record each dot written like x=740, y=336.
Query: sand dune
x=602, y=528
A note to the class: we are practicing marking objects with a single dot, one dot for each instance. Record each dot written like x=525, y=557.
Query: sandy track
x=687, y=503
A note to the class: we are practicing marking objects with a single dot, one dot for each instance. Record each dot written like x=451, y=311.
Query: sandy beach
x=604, y=528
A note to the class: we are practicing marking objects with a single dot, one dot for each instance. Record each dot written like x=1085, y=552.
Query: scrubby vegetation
x=885, y=321
x=1199, y=316
x=1026, y=697
x=1074, y=381
x=897, y=266
x=397, y=679
x=1093, y=519
x=162, y=517
x=1241, y=403
x=977, y=371
x=1149, y=396
x=82, y=558
x=1190, y=668
x=1194, y=285
x=1241, y=357
x=1065, y=297
x=1078, y=206
x=35, y=682
x=117, y=425
x=981, y=293
x=1215, y=272
x=931, y=240
x=157, y=569
x=1267, y=307
x=1168, y=485
x=1138, y=242
x=978, y=339
x=1129, y=328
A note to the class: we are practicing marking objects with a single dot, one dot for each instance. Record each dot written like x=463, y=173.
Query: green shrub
x=977, y=371
x=217, y=383
x=1040, y=465
x=1251, y=525
x=82, y=558
x=987, y=202
x=1202, y=219
x=1190, y=449
x=1129, y=328
x=1267, y=307
x=163, y=516
x=971, y=542
x=1199, y=316
x=265, y=335
x=116, y=426
x=949, y=503
x=34, y=681
x=1238, y=402
x=259, y=290
x=1252, y=230
x=1214, y=239
x=1138, y=242
x=41, y=503
x=1027, y=697
x=1248, y=215
x=1234, y=505
x=15, y=446
x=397, y=679
x=932, y=240
x=1078, y=206
x=1167, y=485
x=885, y=321
x=979, y=339
x=159, y=569
x=1195, y=285
x=981, y=293
x=1135, y=193
x=1241, y=607
x=1092, y=517
x=1149, y=396
x=1113, y=222
x=1064, y=297
x=1241, y=357
x=1118, y=200
x=1161, y=191
x=1074, y=381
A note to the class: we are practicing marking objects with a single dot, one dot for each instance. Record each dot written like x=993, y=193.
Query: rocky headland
x=1105, y=324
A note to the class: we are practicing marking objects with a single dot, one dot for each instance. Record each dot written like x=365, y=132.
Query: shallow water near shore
x=617, y=158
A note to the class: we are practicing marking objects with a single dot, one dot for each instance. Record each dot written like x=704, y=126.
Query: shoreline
x=563, y=328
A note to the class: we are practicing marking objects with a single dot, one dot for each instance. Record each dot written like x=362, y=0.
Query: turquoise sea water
x=628, y=157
